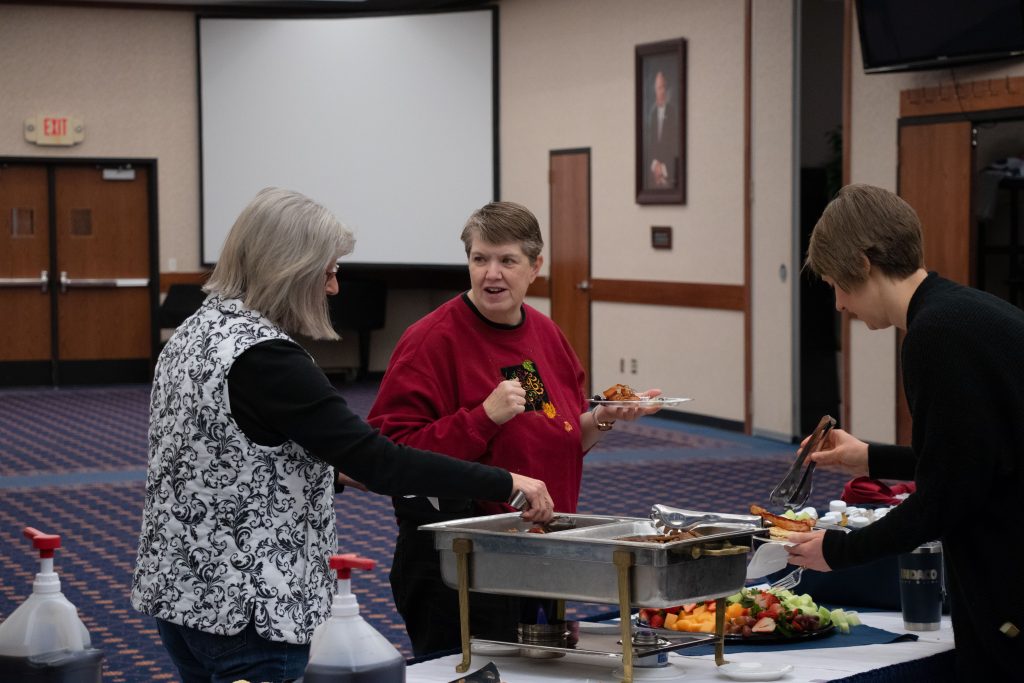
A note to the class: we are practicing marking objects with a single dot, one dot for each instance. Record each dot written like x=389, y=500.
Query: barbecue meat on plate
x=621, y=392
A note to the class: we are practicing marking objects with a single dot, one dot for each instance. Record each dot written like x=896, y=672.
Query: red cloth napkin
x=868, y=490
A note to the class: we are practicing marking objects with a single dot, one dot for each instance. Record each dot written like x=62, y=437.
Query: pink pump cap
x=44, y=543
x=344, y=564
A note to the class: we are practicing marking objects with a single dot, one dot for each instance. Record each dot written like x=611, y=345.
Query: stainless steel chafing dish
x=574, y=561
x=631, y=562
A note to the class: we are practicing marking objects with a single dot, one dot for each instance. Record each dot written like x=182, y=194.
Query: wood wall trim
x=748, y=170
x=688, y=294
x=844, y=325
x=692, y=295
x=168, y=279
x=958, y=98
x=540, y=287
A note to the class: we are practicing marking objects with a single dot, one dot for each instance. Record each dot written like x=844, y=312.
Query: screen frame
x=365, y=267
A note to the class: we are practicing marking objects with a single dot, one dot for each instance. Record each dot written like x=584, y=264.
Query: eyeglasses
x=331, y=274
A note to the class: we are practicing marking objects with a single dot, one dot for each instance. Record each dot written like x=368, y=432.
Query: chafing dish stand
x=468, y=545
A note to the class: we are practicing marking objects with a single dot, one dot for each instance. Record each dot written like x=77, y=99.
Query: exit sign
x=51, y=129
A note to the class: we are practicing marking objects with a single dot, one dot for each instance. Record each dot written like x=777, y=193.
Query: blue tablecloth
x=858, y=635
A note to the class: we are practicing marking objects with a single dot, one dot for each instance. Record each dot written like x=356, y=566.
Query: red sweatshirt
x=448, y=363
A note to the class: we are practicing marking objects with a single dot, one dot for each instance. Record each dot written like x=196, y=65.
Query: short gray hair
x=276, y=257
x=505, y=223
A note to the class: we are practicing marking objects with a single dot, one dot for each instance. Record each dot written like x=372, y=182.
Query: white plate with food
x=640, y=402
x=623, y=396
x=771, y=556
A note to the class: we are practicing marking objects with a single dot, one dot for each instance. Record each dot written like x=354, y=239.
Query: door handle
x=94, y=283
x=43, y=282
x=583, y=286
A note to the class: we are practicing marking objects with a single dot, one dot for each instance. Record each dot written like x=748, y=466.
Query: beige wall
x=772, y=227
x=566, y=81
x=569, y=56
x=131, y=77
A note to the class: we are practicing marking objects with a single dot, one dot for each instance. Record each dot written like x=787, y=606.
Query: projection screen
x=390, y=122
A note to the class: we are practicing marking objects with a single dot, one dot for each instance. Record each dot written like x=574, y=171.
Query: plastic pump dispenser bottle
x=43, y=640
x=345, y=648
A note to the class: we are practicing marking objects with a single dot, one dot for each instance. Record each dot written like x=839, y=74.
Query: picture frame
x=661, y=122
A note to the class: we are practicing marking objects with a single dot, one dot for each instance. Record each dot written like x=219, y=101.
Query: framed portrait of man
x=661, y=122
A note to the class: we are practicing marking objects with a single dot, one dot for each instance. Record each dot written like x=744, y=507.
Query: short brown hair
x=505, y=223
x=863, y=220
x=275, y=259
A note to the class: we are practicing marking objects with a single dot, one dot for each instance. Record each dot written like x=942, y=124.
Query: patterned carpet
x=72, y=462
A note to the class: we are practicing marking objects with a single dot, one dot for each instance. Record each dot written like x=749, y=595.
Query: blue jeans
x=207, y=658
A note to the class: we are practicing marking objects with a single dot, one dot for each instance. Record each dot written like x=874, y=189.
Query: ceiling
x=257, y=6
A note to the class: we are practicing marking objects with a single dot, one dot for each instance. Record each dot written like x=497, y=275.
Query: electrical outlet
x=622, y=365
x=632, y=365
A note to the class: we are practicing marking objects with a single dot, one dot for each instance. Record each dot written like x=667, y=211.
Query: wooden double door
x=78, y=272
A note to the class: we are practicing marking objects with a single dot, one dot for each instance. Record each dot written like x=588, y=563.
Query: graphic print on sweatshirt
x=536, y=394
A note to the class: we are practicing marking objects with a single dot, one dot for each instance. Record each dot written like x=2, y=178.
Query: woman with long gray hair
x=247, y=439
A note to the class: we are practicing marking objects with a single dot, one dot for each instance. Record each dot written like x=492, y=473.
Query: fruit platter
x=754, y=615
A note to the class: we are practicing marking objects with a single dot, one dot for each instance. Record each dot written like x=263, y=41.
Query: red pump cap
x=44, y=543
x=349, y=561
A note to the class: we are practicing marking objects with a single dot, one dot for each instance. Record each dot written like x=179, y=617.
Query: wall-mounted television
x=907, y=35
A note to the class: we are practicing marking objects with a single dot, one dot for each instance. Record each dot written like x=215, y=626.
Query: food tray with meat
x=578, y=563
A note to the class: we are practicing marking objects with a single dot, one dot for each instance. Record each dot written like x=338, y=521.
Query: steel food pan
x=578, y=563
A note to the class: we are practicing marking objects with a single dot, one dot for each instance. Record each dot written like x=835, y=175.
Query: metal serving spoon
x=685, y=520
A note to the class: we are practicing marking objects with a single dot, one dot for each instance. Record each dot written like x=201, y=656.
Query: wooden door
x=935, y=170
x=569, y=270
x=78, y=272
x=25, y=337
x=104, y=325
x=935, y=178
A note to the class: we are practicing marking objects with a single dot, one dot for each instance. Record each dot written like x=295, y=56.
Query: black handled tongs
x=795, y=489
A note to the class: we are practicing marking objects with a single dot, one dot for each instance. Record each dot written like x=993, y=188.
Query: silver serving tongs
x=795, y=489
x=667, y=518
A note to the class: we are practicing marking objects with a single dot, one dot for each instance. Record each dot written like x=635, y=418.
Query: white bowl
x=754, y=671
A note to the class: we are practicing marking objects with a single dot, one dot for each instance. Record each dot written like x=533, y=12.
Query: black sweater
x=963, y=373
x=278, y=393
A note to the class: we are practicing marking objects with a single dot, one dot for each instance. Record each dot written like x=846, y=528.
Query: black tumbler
x=921, y=587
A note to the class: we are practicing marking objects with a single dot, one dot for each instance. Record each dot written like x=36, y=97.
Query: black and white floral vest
x=231, y=531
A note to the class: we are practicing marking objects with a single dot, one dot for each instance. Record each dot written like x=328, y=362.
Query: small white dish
x=494, y=649
x=754, y=671
x=600, y=626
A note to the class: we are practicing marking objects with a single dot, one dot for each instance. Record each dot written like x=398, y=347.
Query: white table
x=809, y=666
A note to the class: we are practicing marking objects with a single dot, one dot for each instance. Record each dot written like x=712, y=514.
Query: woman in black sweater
x=963, y=374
